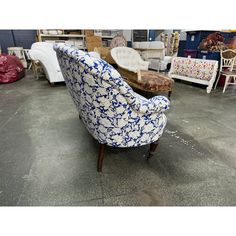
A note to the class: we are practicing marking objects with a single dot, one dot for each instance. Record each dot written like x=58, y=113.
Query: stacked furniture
x=154, y=53
x=76, y=37
x=111, y=111
x=107, y=35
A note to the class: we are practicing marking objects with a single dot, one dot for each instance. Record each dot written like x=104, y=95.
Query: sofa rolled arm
x=157, y=104
x=162, y=102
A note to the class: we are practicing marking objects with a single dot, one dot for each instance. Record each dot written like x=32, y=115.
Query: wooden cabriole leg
x=100, y=157
x=152, y=149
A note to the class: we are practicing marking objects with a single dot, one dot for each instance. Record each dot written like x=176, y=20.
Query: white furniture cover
x=154, y=52
x=150, y=49
x=129, y=59
x=43, y=52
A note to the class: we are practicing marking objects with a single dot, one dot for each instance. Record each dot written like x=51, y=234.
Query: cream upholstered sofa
x=198, y=71
x=129, y=59
x=154, y=53
x=109, y=108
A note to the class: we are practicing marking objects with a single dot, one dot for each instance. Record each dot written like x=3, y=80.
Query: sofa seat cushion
x=154, y=81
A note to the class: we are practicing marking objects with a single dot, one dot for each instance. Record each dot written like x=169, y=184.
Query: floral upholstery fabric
x=111, y=111
x=194, y=68
x=154, y=81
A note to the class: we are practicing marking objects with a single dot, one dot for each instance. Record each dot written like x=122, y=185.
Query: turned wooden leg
x=152, y=149
x=169, y=94
x=100, y=157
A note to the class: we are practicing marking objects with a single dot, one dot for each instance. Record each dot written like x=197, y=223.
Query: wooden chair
x=37, y=69
x=227, y=60
x=230, y=78
x=19, y=52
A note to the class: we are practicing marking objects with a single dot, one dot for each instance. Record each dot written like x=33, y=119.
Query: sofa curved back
x=128, y=58
x=107, y=105
x=43, y=52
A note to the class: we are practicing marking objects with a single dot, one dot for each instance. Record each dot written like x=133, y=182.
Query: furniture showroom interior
x=92, y=117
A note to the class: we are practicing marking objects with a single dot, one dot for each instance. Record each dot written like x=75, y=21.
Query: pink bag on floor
x=11, y=68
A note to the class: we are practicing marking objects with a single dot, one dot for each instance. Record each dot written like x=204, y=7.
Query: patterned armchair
x=111, y=111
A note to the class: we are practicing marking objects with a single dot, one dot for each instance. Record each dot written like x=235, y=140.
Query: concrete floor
x=47, y=157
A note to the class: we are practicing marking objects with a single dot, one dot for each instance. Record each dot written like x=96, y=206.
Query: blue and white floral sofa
x=112, y=112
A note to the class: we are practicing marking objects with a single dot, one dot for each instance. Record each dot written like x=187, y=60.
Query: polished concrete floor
x=48, y=158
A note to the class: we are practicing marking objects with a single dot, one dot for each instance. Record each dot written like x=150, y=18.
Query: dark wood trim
x=100, y=157
x=152, y=149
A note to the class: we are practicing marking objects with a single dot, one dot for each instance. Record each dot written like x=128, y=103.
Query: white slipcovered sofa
x=154, y=53
x=43, y=52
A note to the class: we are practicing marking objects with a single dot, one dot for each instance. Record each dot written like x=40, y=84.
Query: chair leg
x=226, y=82
x=217, y=80
x=30, y=65
x=169, y=94
x=100, y=157
x=152, y=149
x=36, y=73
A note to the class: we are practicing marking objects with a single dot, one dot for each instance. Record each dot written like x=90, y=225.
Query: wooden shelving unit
x=71, y=37
x=64, y=36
